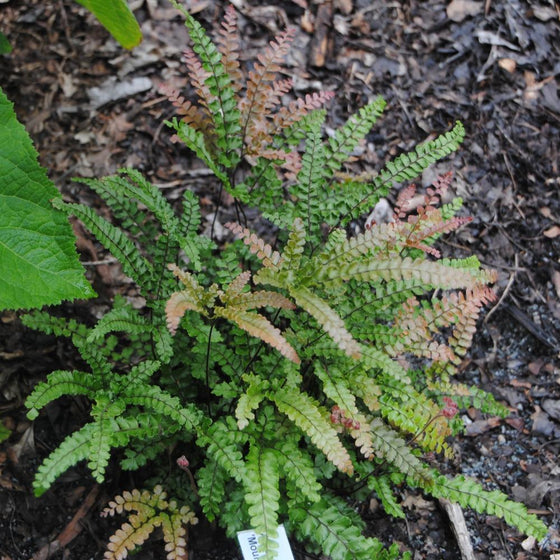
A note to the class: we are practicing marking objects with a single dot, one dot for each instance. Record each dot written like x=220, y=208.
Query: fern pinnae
x=336, y=529
x=404, y=167
x=327, y=318
x=211, y=481
x=351, y=133
x=307, y=415
x=392, y=447
x=59, y=383
x=260, y=327
x=309, y=188
x=262, y=495
x=256, y=104
x=222, y=108
x=115, y=241
x=228, y=42
x=469, y=493
x=298, y=469
x=196, y=141
x=73, y=449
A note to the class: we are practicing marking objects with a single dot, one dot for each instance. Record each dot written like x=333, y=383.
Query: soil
x=493, y=65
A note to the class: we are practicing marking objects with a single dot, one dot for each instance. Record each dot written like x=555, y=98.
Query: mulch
x=493, y=65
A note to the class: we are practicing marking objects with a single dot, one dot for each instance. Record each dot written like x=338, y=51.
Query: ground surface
x=495, y=65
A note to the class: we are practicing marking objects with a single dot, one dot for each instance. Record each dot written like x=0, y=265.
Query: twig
x=71, y=531
x=505, y=292
x=460, y=530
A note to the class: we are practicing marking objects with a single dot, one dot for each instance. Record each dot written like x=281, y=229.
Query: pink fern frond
x=256, y=245
x=228, y=42
x=297, y=109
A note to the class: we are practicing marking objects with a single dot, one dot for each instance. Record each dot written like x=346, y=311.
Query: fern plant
x=289, y=368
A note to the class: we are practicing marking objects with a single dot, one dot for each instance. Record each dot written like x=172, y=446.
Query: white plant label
x=249, y=543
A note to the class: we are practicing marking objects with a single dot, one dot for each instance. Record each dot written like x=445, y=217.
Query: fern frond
x=155, y=399
x=269, y=257
x=382, y=487
x=358, y=192
x=327, y=318
x=195, y=140
x=126, y=319
x=59, y=326
x=313, y=421
x=101, y=442
x=229, y=44
x=260, y=95
x=390, y=446
x=336, y=530
x=153, y=510
x=58, y=384
x=470, y=494
x=74, y=448
x=250, y=399
x=309, y=190
x=261, y=480
x=298, y=469
x=351, y=133
x=211, y=481
x=115, y=241
x=190, y=114
x=223, y=442
x=222, y=104
x=298, y=110
x=466, y=397
x=431, y=274
x=194, y=297
x=260, y=327
x=293, y=250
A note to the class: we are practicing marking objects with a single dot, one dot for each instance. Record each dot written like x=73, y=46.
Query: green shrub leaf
x=39, y=262
x=117, y=18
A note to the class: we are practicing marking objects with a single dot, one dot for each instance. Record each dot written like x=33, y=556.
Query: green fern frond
x=126, y=319
x=211, y=480
x=223, y=442
x=390, y=446
x=298, y=469
x=293, y=250
x=58, y=384
x=382, y=487
x=75, y=448
x=262, y=496
x=59, y=326
x=250, y=399
x=116, y=242
x=470, y=494
x=359, y=193
x=195, y=140
x=157, y=400
x=347, y=138
x=335, y=529
x=101, y=442
x=301, y=409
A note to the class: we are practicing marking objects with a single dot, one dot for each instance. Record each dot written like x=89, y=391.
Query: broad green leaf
x=117, y=18
x=38, y=261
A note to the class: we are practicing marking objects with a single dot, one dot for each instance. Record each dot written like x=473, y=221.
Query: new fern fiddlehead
x=283, y=367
